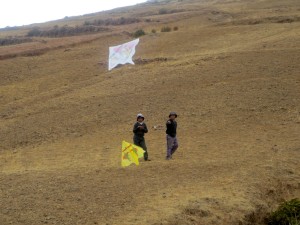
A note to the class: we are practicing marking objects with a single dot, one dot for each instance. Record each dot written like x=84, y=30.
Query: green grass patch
x=288, y=213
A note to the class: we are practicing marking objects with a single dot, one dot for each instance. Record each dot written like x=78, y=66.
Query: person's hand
x=141, y=127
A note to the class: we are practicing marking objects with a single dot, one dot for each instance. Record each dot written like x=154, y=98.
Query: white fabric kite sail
x=122, y=54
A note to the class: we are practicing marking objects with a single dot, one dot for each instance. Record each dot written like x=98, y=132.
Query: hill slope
x=231, y=72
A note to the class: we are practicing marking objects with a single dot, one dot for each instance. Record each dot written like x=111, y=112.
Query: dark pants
x=172, y=145
x=140, y=141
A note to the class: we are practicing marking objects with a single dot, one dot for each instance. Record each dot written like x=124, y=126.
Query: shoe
x=168, y=158
x=147, y=159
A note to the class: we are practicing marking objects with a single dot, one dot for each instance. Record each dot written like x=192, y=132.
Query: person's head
x=172, y=115
x=140, y=118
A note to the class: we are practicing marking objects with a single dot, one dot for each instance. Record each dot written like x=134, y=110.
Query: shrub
x=165, y=29
x=153, y=31
x=35, y=32
x=175, y=28
x=139, y=33
x=288, y=213
x=163, y=11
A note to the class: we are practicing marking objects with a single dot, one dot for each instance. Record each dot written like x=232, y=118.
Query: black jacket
x=140, y=131
x=171, y=128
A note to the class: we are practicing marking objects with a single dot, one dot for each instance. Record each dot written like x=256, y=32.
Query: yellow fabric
x=131, y=154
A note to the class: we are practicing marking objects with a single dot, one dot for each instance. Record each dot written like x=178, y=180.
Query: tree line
x=113, y=22
x=14, y=40
x=93, y=26
x=64, y=31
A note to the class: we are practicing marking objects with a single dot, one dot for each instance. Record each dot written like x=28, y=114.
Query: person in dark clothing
x=172, y=142
x=139, y=130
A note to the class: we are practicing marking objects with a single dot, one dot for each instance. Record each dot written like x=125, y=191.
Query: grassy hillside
x=231, y=72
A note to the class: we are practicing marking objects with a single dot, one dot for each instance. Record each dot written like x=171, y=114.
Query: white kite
x=122, y=54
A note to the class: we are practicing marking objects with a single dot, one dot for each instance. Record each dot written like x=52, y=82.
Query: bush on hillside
x=288, y=213
x=166, y=29
x=139, y=33
x=166, y=11
x=163, y=11
x=35, y=32
x=175, y=28
x=153, y=31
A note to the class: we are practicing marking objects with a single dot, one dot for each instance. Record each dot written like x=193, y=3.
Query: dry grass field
x=232, y=73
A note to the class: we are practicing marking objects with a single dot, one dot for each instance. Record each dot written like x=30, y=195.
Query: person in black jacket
x=139, y=130
x=172, y=142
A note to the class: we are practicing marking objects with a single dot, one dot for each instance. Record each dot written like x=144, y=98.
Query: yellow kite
x=131, y=154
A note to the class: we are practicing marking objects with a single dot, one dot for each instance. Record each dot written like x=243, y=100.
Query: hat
x=140, y=115
x=173, y=114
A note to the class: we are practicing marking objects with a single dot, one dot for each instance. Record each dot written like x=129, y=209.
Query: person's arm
x=168, y=125
x=145, y=128
x=135, y=128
